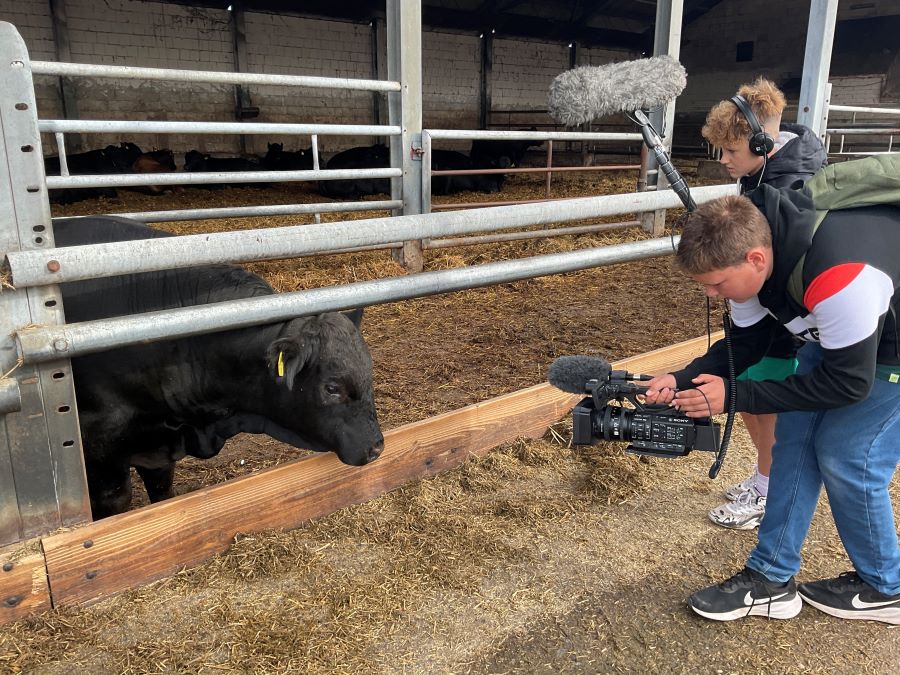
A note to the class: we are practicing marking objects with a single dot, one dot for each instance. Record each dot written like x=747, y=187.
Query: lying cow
x=363, y=157
x=279, y=159
x=306, y=381
x=112, y=159
x=450, y=160
x=194, y=160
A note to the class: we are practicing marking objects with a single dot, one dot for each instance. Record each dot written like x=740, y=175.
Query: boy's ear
x=758, y=256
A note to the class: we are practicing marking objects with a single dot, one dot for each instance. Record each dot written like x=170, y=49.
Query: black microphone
x=585, y=93
x=572, y=373
x=654, y=142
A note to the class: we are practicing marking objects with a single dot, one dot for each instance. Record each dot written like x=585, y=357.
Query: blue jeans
x=854, y=452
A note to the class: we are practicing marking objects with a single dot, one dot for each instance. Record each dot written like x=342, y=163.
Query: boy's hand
x=661, y=389
x=707, y=399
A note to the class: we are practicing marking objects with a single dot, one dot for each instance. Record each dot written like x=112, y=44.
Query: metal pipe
x=249, y=211
x=208, y=76
x=884, y=131
x=207, y=177
x=531, y=234
x=259, y=128
x=61, y=149
x=32, y=267
x=10, y=397
x=856, y=109
x=539, y=169
x=49, y=343
x=465, y=134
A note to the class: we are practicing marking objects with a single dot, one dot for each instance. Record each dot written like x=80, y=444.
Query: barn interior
x=538, y=557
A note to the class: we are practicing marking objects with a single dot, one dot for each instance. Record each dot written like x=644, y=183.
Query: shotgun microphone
x=585, y=93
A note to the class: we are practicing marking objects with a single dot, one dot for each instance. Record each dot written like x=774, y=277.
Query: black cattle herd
x=127, y=157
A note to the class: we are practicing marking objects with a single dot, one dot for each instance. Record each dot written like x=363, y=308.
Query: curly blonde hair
x=726, y=124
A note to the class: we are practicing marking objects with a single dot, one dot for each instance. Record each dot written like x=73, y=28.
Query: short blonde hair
x=725, y=124
x=719, y=233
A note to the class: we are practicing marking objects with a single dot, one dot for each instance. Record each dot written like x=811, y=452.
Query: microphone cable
x=732, y=396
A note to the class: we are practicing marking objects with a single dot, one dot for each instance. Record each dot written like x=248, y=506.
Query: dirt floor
x=538, y=558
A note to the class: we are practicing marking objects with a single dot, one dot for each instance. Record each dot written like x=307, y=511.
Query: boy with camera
x=758, y=149
x=838, y=416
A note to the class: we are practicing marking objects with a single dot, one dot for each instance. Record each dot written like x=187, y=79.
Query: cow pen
x=36, y=392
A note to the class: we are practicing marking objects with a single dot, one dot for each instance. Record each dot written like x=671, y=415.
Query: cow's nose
x=374, y=452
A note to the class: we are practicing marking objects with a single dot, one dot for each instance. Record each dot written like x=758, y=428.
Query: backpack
x=848, y=185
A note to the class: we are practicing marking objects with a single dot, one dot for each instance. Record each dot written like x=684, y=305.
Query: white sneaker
x=745, y=513
x=733, y=492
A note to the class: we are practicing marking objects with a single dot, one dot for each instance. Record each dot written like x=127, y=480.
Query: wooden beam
x=23, y=584
x=132, y=549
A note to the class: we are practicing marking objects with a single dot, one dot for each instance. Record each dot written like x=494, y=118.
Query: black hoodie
x=794, y=163
x=850, y=280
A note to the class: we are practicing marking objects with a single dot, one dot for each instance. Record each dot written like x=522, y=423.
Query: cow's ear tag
x=280, y=364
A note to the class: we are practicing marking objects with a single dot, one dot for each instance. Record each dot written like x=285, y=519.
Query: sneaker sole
x=751, y=524
x=780, y=610
x=889, y=615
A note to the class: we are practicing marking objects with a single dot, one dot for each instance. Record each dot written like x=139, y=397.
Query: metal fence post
x=404, y=48
x=42, y=480
x=666, y=40
x=816, y=64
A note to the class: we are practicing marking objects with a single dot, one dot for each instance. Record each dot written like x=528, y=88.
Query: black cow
x=306, y=381
x=110, y=160
x=279, y=159
x=500, y=154
x=366, y=157
x=450, y=160
x=194, y=160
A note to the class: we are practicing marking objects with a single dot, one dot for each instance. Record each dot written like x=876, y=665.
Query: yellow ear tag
x=280, y=364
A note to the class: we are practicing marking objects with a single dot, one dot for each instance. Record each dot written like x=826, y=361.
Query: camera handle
x=732, y=397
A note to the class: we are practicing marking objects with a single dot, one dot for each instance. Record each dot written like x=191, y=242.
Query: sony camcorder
x=657, y=430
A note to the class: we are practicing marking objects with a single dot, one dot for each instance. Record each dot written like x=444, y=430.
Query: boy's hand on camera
x=661, y=389
x=708, y=398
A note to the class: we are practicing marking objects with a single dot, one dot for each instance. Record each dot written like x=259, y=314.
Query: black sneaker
x=849, y=597
x=747, y=593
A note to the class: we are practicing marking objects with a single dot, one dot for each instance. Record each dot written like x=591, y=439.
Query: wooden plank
x=23, y=584
x=140, y=546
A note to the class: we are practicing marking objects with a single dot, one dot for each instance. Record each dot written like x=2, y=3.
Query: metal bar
x=30, y=268
x=152, y=127
x=41, y=344
x=539, y=169
x=10, y=397
x=208, y=76
x=531, y=234
x=207, y=177
x=42, y=479
x=404, y=55
x=61, y=149
x=884, y=131
x=466, y=134
x=856, y=109
x=816, y=64
x=549, y=176
x=249, y=211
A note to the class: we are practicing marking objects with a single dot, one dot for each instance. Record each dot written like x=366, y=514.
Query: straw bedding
x=535, y=558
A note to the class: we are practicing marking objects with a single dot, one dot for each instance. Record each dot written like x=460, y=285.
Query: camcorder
x=655, y=430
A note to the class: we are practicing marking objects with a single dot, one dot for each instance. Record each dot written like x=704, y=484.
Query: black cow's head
x=322, y=376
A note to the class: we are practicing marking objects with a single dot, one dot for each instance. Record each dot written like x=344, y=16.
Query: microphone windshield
x=585, y=93
x=570, y=373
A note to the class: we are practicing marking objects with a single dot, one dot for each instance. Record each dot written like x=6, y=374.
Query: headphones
x=761, y=144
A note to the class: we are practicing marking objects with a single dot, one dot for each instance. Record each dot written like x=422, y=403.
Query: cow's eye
x=333, y=389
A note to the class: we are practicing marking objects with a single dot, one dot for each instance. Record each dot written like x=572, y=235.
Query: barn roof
x=596, y=23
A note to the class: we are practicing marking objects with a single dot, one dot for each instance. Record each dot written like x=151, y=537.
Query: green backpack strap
x=848, y=185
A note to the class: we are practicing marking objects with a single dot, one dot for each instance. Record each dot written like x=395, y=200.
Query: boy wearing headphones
x=757, y=148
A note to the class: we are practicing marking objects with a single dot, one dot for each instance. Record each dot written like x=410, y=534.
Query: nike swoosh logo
x=861, y=604
x=749, y=600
